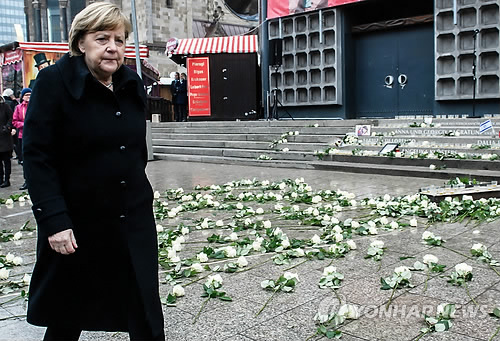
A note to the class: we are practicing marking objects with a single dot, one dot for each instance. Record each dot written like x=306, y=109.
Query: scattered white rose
x=300, y=252
x=219, y=223
x=316, y=199
x=9, y=258
x=256, y=246
x=202, y=257
x=175, y=259
x=315, y=125
x=239, y=206
x=329, y=270
x=413, y=222
x=296, y=132
x=467, y=197
x=233, y=236
x=384, y=221
x=267, y=224
x=432, y=167
x=371, y=223
x=403, y=271
x=394, y=225
x=4, y=273
x=285, y=150
x=9, y=202
x=260, y=210
x=159, y=228
x=478, y=247
x=26, y=279
x=316, y=239
x=185, y=230
x=289, y=275
x=197, y=267
x=282, y=185
x=351, y=244
x=278, y=231
x=242, y=262
x=18, y=235
x=248, y=221
x=285, y=243
x=372, y=230
x=157, y=195
x=440, y=310
x=428, y=235
x=354, y=224
x=348, y=311
x=213, y=279
x=178, y=291
x=230, y=252
x=463, y=269
x=387, y=197
x=428, y=259
x=377, y=244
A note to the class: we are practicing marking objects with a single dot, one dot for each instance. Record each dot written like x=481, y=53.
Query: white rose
x=278, y=207
x=242, y=262
x=316, y=199
x=316, y=239
x=265, y=183
x=315, y=212
x=371, y=223
x=204, y=224
x=285, y=243
x=185, y=230
x=300, y=252
x=354, y=224
x=9, y=258
x=329, y=270
x=18, y=235
x=159, y=228
x=260, y=210
x=401, y=269
x=282, y=186
x=377, y=244
x=294, y=195
x=478, y=247
x=4, y=273
x=348, y=311
x=239, y=206
x=353, y=202
x=217, y=278
x=296, y=132
x=230, y=251
x=387, y=197
x=277, y=231
x=176, y=245
x=290, y=275
x=233, y=236
x=178, y=290
x=219, y=223
x=384, y=221
x=256, y=246
x=9, y=202
x=372, y=230
x=394, y=225
x=339, y=237
x=428, y=259
x=197, y=267
x=285, y=150
x=467, y=197
x=432, y=167
x=296, y=208
x=413, y=222
x=180, y=239
x=334, y=220
x=463, y=269
x=351, y=244
x=427, y=235
x=157, y=195
x=26, y=279
x=175, y=259
x=202, y=257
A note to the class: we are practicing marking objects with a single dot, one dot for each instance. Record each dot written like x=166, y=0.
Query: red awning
x=232, y=44
x=63, y=48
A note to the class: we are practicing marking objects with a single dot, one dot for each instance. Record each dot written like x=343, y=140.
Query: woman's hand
x=63, y=242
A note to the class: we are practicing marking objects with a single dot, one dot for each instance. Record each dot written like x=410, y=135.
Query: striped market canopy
x=232, y=44
x=63, y=48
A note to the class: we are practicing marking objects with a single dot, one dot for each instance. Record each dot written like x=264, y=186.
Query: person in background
x=175, y=89
x=85, y=156
x=183, y=97
x=10, y=99
x=5, y=143
x=18, y=123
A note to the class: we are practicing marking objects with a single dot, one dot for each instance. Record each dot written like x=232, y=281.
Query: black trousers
x=180, y=112
x=19, y=149
x=5, y=166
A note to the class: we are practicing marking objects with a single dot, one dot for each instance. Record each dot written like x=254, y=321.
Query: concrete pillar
x=63, y=5
x=38, y=20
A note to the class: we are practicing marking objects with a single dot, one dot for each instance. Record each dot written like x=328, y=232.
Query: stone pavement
x=289, y=316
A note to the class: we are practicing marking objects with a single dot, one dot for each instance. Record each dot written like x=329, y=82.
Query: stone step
x=437, y=140
x=326, y=139
x=238, y=144
x=353, y=167
x=263, y=123
x=458, y=131
x=466, y=122
x=429, y=149
x=273, y=131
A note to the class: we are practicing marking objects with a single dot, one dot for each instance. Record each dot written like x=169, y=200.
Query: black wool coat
x=5, y=128
x=84, y=158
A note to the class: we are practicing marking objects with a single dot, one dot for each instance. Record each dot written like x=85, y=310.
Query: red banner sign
x=11, y=57
x=198, y=86
x=281, y=8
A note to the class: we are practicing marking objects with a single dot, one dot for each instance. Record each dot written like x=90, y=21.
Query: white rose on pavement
x=202, y=257
x=242, y=262
x=4, y=273
x=463, y=269
x=178, y=291
x=429, y=259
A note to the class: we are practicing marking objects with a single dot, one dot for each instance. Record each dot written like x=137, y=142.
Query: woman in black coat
x=85, y=158
x=6, y=144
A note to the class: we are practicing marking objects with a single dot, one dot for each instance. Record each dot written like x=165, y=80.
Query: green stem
x=493, y=336
x=390, y=299
x=468, y=293
x=421, y=335
x=253, y=267
x=493, y=268
x=426, y=280
x=201, y=308
x=265, y=304
x=197, y=280
x=379, y=265
x=338, y=297
x=296, y=265
x=313, y=335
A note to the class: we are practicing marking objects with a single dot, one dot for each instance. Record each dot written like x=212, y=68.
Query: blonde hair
x=99, y=16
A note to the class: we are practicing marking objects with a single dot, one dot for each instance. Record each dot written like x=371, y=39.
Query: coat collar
x=76, y=76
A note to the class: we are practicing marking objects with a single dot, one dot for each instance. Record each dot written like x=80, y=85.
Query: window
x=170, y=3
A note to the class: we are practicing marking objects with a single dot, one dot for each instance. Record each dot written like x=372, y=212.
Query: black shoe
x=5, y=184
x=23, y=187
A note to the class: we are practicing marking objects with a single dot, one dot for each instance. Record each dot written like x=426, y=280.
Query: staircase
x=244, y=142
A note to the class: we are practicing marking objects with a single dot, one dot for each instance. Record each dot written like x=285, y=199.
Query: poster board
x=281, y=8
x=199, y=86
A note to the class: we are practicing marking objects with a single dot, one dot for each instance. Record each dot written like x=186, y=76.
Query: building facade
x=12, y=15
x=158, y=21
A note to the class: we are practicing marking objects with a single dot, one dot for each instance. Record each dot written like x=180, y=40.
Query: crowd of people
x=12, y=115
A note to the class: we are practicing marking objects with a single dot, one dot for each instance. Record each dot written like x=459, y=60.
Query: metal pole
x=264, y=56
x=474, y=64
x=136, y=41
